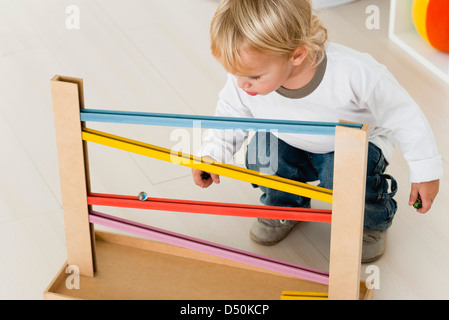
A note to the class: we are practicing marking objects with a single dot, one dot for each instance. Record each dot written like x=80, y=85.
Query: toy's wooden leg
x=351, y=152
x=67, y=96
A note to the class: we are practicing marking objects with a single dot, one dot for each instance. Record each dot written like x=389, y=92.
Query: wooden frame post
x=67, y=96
x=348, y=208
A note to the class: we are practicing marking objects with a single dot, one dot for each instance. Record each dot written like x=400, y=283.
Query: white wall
x=318, y=4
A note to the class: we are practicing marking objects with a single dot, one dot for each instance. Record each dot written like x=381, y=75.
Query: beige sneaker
x=270, y=231
x=373, y=245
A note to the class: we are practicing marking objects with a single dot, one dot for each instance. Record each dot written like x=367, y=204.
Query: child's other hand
x=426, y=191
x=204, y=179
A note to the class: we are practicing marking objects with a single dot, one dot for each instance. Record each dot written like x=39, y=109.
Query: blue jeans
x=270, y=155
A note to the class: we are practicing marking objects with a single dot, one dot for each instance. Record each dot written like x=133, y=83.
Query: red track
x=214, y=208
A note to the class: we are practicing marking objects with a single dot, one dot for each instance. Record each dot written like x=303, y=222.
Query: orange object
x=431, y=19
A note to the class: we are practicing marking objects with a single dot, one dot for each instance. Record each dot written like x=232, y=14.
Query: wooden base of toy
x=140, y=269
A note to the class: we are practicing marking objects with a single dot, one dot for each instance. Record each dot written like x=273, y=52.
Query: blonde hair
x=273, y=26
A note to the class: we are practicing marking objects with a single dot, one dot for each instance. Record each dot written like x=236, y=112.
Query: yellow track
x=234, y=172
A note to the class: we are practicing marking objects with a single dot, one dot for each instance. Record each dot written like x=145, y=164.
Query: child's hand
x=426, y=191
x=204, y=179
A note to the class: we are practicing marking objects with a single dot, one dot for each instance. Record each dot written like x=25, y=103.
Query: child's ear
x=299, y=55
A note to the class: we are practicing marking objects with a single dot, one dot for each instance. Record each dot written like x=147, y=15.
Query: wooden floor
x=154, y=56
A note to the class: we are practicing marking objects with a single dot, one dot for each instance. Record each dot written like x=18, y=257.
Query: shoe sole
x=264, y=243
x=369, y=260
x=269, y=243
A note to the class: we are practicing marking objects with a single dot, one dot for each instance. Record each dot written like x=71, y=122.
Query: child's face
x=263, y=72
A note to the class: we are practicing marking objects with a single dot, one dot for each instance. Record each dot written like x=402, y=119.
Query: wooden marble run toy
x=159, y=264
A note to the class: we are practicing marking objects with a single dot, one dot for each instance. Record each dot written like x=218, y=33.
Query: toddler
x=281, y=66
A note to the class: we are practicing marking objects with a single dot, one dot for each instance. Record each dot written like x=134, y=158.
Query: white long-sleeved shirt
x=348, y=85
